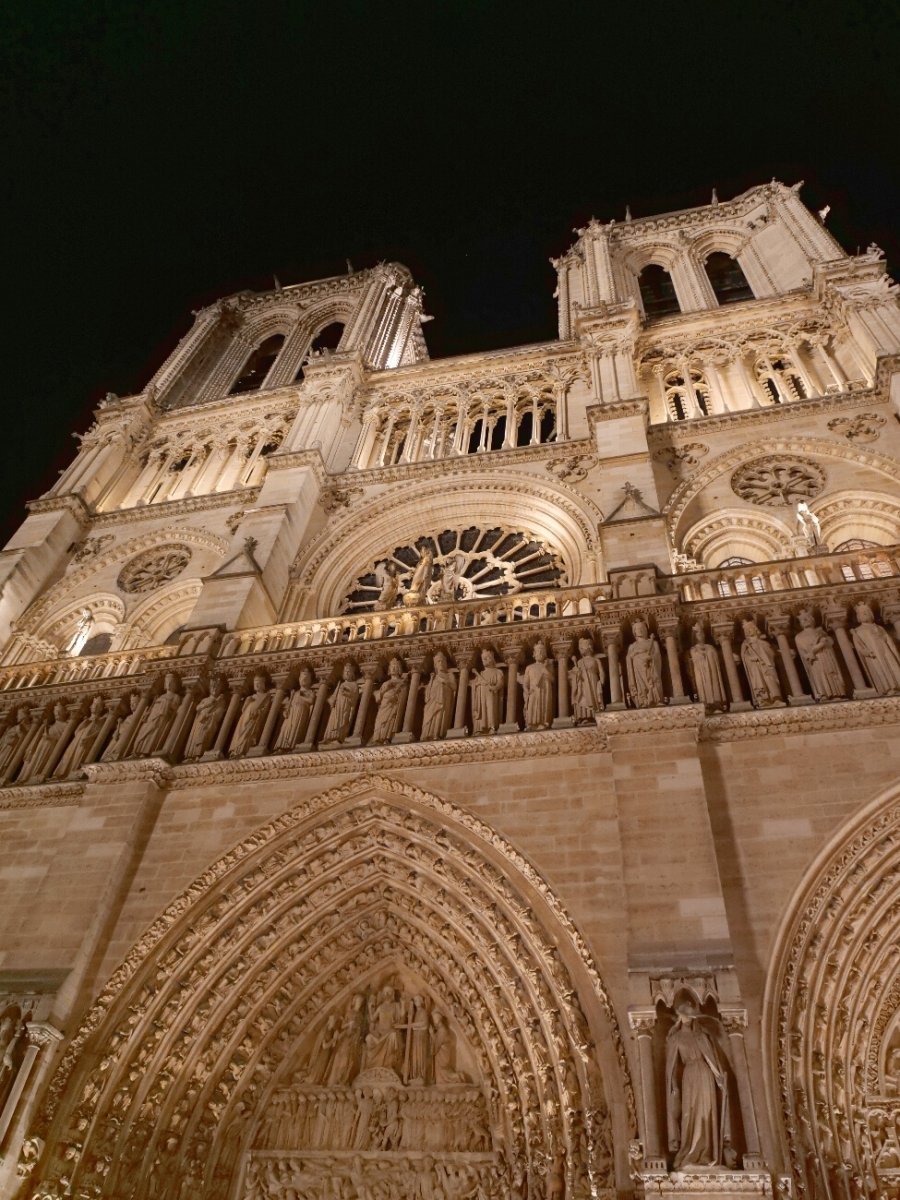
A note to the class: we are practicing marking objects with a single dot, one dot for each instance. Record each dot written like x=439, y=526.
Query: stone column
x=836, y=622
x=511, y=656
x=112, y=711
x=369, y=673
x=464, y=660
x=561, y=652
x=181, y=726
x=779, y=625
x=262, y=747
x=735, y=1022
x=416, y=664
x=38, y=1034
x=669, y=631
x=643, y=1023
x=323, y=674
x=231, y=714
x=611, y=644
x=723, y=634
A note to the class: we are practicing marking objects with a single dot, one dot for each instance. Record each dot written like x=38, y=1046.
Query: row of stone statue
x=454, y=701
x=412, y=1177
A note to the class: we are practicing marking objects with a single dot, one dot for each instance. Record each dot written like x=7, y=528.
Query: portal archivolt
x=373, y=990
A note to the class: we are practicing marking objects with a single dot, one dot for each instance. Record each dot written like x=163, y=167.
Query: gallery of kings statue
x=472, y=779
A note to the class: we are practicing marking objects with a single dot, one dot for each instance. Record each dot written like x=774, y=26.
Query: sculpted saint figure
x=343, y=705
x=537, y=686
x=586, y=679
x=296, y=710
x=207, y=720
x=383, y=1041
x=421, y=578
x=390, y=697
x=808, y=525
x=487, y=694
x=696, y=1090
x=443, y=1047
x=440, y=692
x=158, y=719
x=86, y=733
x=41, y=749
x=706, y=672
x=13, y=736
x=877, y=651
x=324, y=1051
x=816, y=650
x=82, y=633
x=758, y=657
x=643, y=664
x=124, y=726
x=386, y=575
x=250, y=723
x=344, y=1066
x=417, y=1057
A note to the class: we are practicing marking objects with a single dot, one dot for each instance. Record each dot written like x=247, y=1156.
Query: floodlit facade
x=476, y=778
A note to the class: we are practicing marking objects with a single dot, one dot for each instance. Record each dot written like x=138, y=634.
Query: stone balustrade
x=815, y=570
x=63, y=670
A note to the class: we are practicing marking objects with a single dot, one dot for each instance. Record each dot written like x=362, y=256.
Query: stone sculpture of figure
x=586, y=679
x=384, y=1041
x=643, y=664
x=324, y=1050
x=344, y=1066
x=706, y=671
x=343, y=705
x=443, y=1047
x=296, y=710
x=386, y=575
x=808, y=525
x=390, y=697
x=250, y=723
x=86, y=733
x=158, y=719
x=758, y=657
x=440, y=692
x=41, y=749
x=487, y=695
x=124, y=727
x=444, y=591
x=877, y=651
x=421, y=578
x=82, y=632
x=14, y=1050
x=696, y=1090
x=417, y=1056
x=207, y=719
x=816, y=650
x=537, y=686
x=13, y=736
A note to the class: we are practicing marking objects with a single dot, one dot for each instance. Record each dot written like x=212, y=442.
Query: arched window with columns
x=727, y=279
x=657, y=292
x=258, y=365
x=686, y=392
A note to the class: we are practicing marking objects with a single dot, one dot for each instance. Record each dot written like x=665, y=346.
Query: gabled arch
x=729, y=532
x=211, y=1010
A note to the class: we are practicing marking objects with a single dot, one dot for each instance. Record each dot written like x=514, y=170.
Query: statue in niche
x=296, y=710
x=417, y=1056
x=383, y=1042
x=758, y=657
x=877, y=651
x=13, y=736
x=158, y=719
x=586, y=679
x=421, y=578
x=86, y=733
x=706, y=672
x=250, y=723
x=386, y=577
x=643, y=664
x=440, y=693
x=697, y=1071
x=207, y=720
x=808, y=527
x=344, y=1065
x=41, y=749
x=82, y=632
x=342, y=704
x=537, y=687
x=816, y=650
x=124, y=726
x=487, y=694
x=390, y=698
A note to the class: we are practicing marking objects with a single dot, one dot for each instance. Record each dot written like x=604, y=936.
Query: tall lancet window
x=657, y=291
x=258, y=365
x=728, y=280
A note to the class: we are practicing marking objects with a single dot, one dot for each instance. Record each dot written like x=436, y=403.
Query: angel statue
x=386, y=577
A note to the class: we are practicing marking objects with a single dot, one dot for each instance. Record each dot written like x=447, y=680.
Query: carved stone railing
x=815, y=570
x=56, y=671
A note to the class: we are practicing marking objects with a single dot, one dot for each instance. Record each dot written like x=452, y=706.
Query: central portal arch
x=374, y=995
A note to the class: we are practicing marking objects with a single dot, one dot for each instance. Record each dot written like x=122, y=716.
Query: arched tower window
x=686, y=393
x=728, y=280
x=779, y=377
x=258, y=365
x=328, y=338
x=657, y=291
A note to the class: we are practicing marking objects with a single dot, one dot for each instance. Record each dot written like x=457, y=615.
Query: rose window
x=774, y=481
x=148, y=571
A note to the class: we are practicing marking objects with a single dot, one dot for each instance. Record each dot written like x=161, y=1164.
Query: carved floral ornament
x=148, y=571
x=777, y=480
x=376, y=960
x=864, y=427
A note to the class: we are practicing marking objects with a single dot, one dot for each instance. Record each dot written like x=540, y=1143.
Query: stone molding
x=243, y=497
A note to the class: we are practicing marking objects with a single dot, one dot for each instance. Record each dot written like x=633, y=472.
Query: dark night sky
x=162, y=154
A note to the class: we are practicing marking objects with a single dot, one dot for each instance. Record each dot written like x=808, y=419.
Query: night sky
x=159, y=155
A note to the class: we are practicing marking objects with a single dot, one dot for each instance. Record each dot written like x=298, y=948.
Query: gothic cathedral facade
x=473, y=779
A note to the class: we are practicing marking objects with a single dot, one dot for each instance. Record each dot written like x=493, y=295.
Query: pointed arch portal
x=374, y=995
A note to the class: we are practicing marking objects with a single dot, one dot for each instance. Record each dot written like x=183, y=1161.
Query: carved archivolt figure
x=343, y=705
x=250, y=724
x=207, y=720
x=158, y=719
x=487, y=694
x=296, y=710
x=440, y=692
x=877, y=651
x=586, y=679
x=86, y=733
x=390, y=698
x=706, y=672
x=816, y=650
x=41, y=749
x=384, y=1040
x=13, y=737
x=696, y=1090
x=758, y=657
x=643, y=663
x=537, y=686
x=124, y=727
